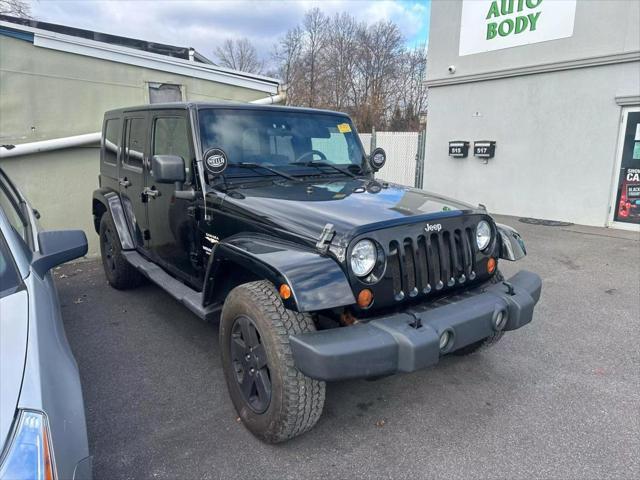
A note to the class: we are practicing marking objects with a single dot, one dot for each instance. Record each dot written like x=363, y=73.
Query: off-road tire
x=120, y=273
x=296, y=400
x=492, y=339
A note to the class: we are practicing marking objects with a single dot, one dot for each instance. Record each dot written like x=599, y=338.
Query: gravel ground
x=557, y=399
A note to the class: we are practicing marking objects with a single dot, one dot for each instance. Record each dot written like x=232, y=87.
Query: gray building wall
x=552, y=107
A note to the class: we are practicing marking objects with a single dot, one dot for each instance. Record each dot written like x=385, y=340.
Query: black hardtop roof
x=219, y=104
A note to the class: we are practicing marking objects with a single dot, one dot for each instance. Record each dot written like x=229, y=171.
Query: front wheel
x=274, y=400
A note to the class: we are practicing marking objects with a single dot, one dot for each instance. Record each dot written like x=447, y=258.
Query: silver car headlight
x=29, y=452
x=363, y=257
x=483, y=234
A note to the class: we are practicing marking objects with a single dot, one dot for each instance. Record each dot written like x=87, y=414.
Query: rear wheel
x=120, y=273
x=274, y=400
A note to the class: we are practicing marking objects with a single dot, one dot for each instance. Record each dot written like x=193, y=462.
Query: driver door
x=174, y=241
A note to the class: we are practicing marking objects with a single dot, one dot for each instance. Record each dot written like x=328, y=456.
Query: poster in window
x=628, y=198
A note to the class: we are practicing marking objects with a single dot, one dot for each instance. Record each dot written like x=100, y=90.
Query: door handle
x=124, y=182
x=151, y=192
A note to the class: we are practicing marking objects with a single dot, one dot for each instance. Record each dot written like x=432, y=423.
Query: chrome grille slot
x=409, y=263
x=393, y=267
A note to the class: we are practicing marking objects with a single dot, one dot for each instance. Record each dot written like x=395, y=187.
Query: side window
x=111, y=141
x=135, y=135
x=9, y=278
x=171, y=137
x=10, y=206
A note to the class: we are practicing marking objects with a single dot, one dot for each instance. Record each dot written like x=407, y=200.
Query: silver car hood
x=14, y=322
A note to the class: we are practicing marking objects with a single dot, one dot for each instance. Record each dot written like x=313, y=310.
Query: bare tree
x=240, y=55
x=315, y=30
x=363, y=69
x=287, y=53
x=15, y=8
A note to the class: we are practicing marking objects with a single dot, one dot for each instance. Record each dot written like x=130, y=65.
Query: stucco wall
x=59, y=185
x=601, y=27
x=556, y=142
x=555, y=121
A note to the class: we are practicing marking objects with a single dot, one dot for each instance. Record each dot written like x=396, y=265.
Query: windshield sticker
x=344, y=128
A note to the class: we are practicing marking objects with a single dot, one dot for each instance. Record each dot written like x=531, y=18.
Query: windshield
x=285, y=140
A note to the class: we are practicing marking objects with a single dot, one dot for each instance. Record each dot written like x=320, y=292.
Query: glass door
x=625, y=211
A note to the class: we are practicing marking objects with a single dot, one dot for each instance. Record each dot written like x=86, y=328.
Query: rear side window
x=171, y=137
x=135, y=135
x=9, y=278
x=111, y=141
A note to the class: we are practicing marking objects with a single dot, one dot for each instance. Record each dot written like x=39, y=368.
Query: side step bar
x=189, y=297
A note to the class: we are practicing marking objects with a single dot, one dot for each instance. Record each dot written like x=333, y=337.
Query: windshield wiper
x=313, y=163
x=265, y=167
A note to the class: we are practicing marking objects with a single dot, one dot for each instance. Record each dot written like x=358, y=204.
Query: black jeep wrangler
x=270, y=220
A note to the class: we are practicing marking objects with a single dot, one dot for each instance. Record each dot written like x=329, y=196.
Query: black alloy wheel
x=249, y=360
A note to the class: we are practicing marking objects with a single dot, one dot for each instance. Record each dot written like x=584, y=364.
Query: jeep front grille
x=431, y=262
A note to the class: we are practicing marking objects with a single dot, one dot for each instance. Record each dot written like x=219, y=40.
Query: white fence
x=401, y=149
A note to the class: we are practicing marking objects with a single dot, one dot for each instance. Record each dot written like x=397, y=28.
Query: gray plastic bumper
x=391, y=344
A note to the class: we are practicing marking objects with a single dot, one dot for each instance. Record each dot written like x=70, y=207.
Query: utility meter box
x=485, y=149
x=458, y=149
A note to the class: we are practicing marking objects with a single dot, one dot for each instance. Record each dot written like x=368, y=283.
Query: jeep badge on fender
x=315, y=270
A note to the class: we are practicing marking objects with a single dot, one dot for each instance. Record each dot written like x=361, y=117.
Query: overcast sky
x=205, y=24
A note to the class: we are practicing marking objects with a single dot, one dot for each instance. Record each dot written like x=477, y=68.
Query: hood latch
x=325, y=237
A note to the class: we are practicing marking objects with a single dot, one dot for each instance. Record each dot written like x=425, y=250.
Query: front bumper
x=391, y=344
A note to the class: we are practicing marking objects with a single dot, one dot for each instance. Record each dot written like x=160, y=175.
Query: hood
x=13, y=351
x=350, y=205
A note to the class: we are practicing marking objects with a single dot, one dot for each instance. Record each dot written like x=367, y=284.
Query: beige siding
x=46, y=94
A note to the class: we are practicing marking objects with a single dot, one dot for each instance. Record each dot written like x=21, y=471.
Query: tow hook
x=417, y=322
x=510, y=289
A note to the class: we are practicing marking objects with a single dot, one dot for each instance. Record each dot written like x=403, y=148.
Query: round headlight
x=363, y=257
x=483, y=235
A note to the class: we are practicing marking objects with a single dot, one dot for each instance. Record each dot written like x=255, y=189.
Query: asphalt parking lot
x=557, y=399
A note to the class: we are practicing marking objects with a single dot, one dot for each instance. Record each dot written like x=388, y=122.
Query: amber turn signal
x=491, y=265
x=365, y=297
x=285, y=291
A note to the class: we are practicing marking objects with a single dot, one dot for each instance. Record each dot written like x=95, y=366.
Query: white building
x=556, y=85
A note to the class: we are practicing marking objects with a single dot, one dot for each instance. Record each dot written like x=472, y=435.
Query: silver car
x=43, y=433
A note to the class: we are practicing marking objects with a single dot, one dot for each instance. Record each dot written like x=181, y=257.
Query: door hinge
x=146, y=235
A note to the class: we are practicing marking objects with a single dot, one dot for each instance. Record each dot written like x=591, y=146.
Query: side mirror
x=377, y=159
x=58, y=247
x=167, y=168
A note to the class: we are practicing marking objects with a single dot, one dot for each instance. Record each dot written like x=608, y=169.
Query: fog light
x=365, y=297
x=444, y=340
x=500, y=321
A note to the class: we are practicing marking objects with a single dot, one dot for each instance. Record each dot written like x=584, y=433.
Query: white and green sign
x=488, y=25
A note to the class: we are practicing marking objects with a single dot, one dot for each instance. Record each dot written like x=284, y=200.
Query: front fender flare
x=511, y=244
x=112, y=204
x=317, y=282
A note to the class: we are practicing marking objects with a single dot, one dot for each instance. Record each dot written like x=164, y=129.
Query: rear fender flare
x=110, y=202
x=317, y=281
